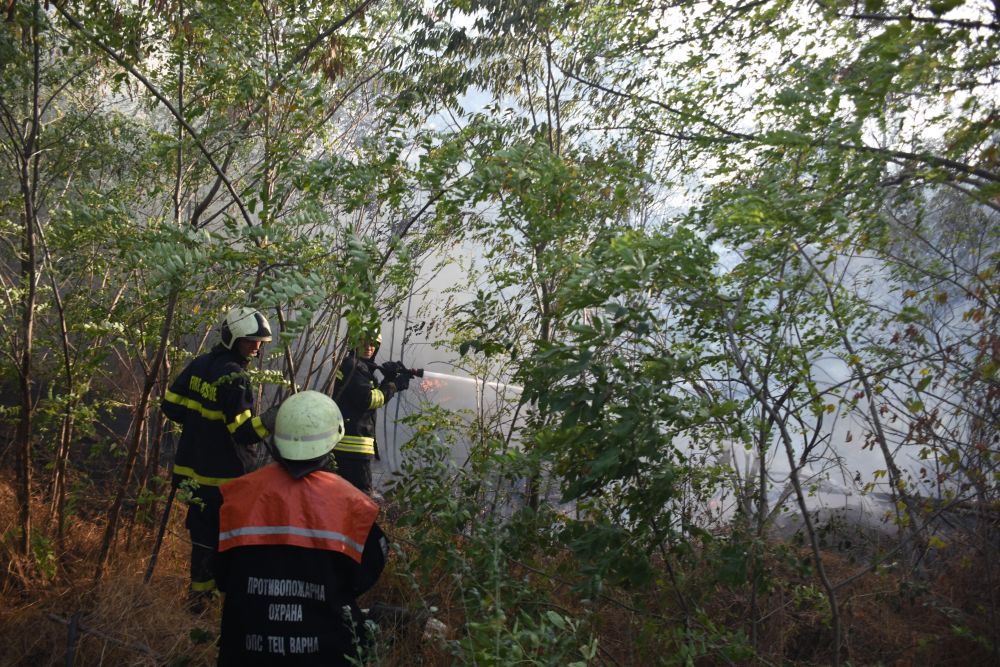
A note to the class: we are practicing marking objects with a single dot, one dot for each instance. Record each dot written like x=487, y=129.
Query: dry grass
x=120, y=620
x=887, y=620
x=123, y=621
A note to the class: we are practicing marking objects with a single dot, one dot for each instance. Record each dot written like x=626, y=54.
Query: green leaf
x=942, y=7
x=556, y=619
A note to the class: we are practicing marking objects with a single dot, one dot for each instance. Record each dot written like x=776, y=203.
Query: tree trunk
x=57, y=512
x=152, y=373
x=770, y=407
x=58, y=486
x=28, y=177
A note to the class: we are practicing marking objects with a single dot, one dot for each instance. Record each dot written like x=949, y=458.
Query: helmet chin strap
x=271, y=448
x=297, y=469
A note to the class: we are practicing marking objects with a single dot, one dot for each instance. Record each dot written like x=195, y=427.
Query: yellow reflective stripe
x=340, y=375
x=240, y=418
x=358, y=440
x=203, y=586
x=192, y=404
x=185, y=471
x=378, y=399
x=259, y=427
x=356, y=444
x=174, y=398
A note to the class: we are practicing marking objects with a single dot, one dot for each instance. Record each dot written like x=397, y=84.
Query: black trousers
x=203, y=526
x=356, y=469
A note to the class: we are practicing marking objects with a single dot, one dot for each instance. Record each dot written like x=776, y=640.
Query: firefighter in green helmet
x=297, y=546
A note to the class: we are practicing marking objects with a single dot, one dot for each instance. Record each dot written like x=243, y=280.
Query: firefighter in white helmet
x=297, y=545
x=213, y=402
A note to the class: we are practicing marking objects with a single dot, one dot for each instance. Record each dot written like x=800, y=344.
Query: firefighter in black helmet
x=358, y=396
x=213, y=402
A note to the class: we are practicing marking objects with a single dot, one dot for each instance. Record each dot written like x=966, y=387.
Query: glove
x=392, y=369
x=267, y=418
x=402, y=381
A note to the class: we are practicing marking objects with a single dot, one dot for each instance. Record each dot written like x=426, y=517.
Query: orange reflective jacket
x=318, y=511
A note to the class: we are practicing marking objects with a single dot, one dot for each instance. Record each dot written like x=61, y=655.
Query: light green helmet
x=308, y=426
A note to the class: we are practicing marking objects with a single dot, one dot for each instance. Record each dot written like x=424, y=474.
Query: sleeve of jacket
x=236, y=401
x=353, y=391
x=388, y=390
x=372, y=563
x=174, y=404
x=221, y=565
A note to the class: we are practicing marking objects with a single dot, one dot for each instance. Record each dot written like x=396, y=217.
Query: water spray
x=475, y=381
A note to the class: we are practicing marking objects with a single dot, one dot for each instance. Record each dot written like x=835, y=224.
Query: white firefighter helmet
x=307, y=426
x=244, y=322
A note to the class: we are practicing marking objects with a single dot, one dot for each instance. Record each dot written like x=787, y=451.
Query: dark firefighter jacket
x=358, y=397
x=293, y=553
x=211, y=399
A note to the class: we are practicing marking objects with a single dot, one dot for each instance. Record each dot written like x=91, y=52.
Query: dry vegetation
x=122, y=621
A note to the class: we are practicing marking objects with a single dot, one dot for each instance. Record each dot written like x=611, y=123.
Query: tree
x=799, y=129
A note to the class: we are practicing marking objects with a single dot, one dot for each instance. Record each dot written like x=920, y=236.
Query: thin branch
x=165, y=102
x=409, y=223
x=731, y=135
x=305, y=50
x=910, y=16
x=140, y=648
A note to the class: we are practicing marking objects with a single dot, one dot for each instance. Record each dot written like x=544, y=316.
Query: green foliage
x=44, y=554
x=548, y=639
x=699, y=229
x=186, y=493
x=710, y=640
x=459, y=534
x=613, y=390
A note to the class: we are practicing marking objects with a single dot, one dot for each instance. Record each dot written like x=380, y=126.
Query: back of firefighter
x=358, y=396
x=213, y=401
x=297, y=546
